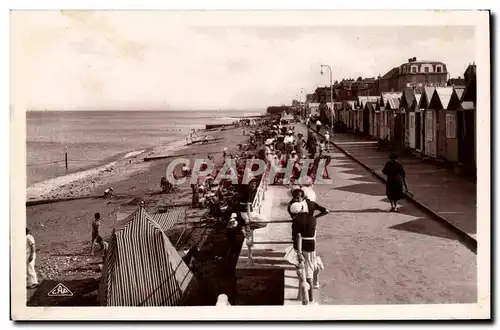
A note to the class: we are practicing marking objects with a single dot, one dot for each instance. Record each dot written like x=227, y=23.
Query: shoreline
x=83, y=182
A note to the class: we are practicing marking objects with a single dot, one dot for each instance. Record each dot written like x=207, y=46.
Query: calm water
x=93, y=138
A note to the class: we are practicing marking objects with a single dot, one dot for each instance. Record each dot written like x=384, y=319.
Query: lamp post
x=331, y=90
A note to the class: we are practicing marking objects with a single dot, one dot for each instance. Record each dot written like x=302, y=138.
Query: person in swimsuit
x=302, y=212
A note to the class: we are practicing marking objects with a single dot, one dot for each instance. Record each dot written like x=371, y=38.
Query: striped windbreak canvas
x=142, y=268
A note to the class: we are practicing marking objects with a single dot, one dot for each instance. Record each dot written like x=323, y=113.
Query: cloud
x=121, y=60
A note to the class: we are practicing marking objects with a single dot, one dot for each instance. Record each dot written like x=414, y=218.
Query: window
x=414, y=69
x=426, y=79
x=426, y=69
x=439, y=68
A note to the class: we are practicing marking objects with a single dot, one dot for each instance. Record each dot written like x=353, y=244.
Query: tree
x=359, y=78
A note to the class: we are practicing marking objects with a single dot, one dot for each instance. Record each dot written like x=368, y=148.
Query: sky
x=105, y=60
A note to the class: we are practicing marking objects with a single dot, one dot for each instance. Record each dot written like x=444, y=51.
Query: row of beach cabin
x=436, y=122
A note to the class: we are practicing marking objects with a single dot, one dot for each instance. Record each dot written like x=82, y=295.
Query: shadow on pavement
x=369, y=189
x=426, y=227
x=361, y=211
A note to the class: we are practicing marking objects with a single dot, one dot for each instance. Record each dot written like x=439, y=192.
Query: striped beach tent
x=142, y=267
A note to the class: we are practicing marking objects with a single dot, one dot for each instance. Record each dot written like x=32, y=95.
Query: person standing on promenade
x=318, y=126
x=304, y=222
x=321, y=147
x=288, y=140
x=312, y=145
x=396, y=178
x=299, y=145
x=31, y=278
x=269, y=150
x=327, y=141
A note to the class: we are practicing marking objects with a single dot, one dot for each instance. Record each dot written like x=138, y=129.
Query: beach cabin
x=368, y=117
x=466, y=126
x=417, y=128
x=377, y=130
x=385, y=114
x=451, y=145
x=407, y=107
x=394, y=119
x=428, y=123
x=382, y=122
x=355, y=117
x=364, y=114
x=439, y=103
x=348, y=119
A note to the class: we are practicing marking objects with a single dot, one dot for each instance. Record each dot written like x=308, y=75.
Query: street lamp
x=331, y=90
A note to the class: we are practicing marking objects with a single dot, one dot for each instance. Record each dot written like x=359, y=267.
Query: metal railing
x=256, y=206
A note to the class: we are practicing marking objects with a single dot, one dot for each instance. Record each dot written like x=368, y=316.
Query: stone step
x=262, y=252
x=266, y=261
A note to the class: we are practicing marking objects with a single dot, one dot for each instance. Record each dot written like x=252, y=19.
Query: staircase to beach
x=269, y=279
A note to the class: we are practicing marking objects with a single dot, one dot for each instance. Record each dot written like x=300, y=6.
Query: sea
x=94, y=138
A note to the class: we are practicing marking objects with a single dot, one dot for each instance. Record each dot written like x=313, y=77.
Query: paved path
x=376, y=257
x=449, y=195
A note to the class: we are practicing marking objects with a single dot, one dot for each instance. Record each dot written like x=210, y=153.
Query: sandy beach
x=62, y=229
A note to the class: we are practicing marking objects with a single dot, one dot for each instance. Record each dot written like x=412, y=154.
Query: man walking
x=31, y=278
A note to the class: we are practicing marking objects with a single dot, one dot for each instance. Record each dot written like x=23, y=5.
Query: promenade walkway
x=444, y=192
x=371, y=256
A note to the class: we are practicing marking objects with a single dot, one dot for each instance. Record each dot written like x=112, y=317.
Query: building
x=414, y=73
x=312, y=98
x=457, y=82
x=368, y=87
x=346, y=89
x=323, y=94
